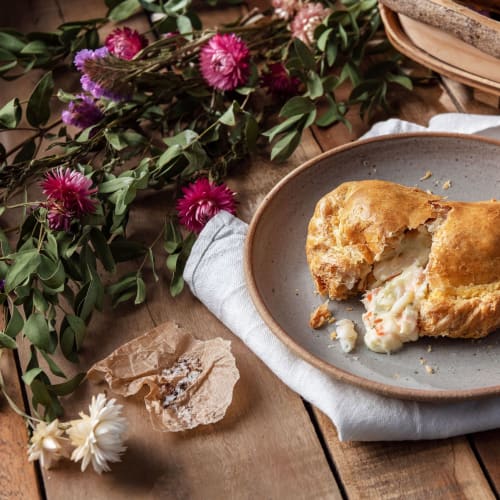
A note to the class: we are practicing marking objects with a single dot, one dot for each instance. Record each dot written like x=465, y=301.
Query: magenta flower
x=125, y=43
x=68, y=197
x=308, y=18
x=82, y=112
x=285, y=9
x=279, y=82
x=224, y=62
x=201, y=201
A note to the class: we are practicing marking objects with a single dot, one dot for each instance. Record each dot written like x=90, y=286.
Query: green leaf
x=285, y=146
x=314, y=85
x=323, y=39
x=11, y=43
x=26, y=153
x=25, y=264
x=124, y=10
x=31, y=375
x=304, y=54
x=54, y=368
x=7, y=342
x=37, y=331
x=141, y=291
x=184, y=25
x=229, y=118
x=282, y=127
x=15, y=324
x=402, y=80
x=124, y=250
x=35, y=47
x=102, y=249
x=173, y=237
x=67, y=387
x=51, y=272
x=297, y=106
x=38, y=110
x=89, y=298
x=79, y=327
x=10, y=114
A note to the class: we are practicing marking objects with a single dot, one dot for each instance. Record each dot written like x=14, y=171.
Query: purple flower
x=89, y=83
x=224, y=62
x=201, y=201
x=83, y=55
x=82, y=112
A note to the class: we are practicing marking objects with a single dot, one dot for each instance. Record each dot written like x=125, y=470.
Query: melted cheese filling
x=392, y=307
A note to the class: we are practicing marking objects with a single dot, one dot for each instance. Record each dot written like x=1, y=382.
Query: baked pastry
x=427, y=266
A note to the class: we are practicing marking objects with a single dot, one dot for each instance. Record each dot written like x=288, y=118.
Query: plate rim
x=393, y=391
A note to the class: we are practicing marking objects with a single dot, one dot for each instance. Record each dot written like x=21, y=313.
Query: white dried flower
x=45, y=443
x=98, y=437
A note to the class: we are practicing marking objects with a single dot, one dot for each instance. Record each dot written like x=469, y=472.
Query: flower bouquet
x=177, y=109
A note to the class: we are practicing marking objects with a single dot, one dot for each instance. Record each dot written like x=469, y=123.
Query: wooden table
x=271, y=444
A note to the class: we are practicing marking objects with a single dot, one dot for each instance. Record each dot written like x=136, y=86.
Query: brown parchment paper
x=189, y=381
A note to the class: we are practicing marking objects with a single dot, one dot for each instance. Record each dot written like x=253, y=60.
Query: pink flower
x=286, y=8
x=201, y=201
x=224, y=62
x=279, y=82
x=308, y=18
x=68, y=197
x=125, y=43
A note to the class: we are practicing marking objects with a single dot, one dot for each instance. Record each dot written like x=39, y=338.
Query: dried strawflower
x=125, y=43
x=98, y=437
x=308, y=18
x=82, y=112
x=68, y=197
x=201, y=201
x=45, y=443
x=279, y=82
x=224, y=62
x=285, y=9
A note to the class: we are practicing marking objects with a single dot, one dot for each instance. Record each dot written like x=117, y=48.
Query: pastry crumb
x=428, y=191
x=446, y=184
x=349, y=308
x=333, y=335
x=429, y=348
x=426, y=176
x=422, y=361
x=429, y=370
x=320, y=316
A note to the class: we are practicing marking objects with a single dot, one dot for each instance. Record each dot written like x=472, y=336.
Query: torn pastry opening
x=396, y=286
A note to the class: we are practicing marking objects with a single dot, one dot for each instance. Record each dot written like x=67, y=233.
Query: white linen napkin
x=214, y=272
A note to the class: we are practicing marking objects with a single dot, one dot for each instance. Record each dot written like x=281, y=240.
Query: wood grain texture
x=445, y=469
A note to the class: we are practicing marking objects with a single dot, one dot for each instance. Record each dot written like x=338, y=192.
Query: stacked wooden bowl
x=460, y=40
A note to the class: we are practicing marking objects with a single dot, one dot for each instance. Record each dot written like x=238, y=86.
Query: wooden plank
x=408, y=470
x=265, y=447
x=18, y=478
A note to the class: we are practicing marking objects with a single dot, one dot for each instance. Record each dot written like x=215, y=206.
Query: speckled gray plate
x=282, y=289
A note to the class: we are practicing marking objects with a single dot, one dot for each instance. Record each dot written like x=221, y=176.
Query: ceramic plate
x=283, y=292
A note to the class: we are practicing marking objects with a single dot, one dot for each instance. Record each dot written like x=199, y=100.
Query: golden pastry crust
x=357, y=224
x=464, y=273
x=362, y=222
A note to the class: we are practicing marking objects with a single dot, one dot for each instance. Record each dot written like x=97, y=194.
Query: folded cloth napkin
x=214, y=272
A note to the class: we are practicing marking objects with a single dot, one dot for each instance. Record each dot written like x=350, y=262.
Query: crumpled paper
x=190, y=381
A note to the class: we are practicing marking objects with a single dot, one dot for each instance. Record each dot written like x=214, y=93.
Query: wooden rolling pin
x=460, y=21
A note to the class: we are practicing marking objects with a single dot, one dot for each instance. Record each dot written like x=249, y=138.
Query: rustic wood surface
x=270, y=444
